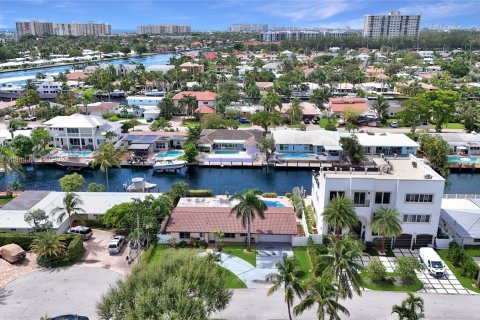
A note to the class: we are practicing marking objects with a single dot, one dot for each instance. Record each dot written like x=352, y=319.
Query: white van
x=84, y=232
x=432, y=261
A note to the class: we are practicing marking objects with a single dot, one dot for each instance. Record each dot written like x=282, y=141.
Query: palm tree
x=386, y=222
x=340, y=264
x=248, y=207
x=324, y=293
x=289, y=277
x=8, y=163
x=340, y=214
x=71, y=206
x=408, y=309
x=381, y=106
x=295, y=111
x=189, y=103
x=106, y=156
x=320, y=96
x=47, y=245
x=109, y=135
x=270, y=101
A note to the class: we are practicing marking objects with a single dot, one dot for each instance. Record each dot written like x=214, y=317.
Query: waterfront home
x=143, y=100
x=342, y=88
x=192, y=68
x=309, y=110
x=153, y=141
x=386, y=143
x=212, y=140
x=204, y=98
x=46, y=88
x=199, y=218
x=5, y=137
x=307, y=145
x=340, y=105
x=407, y=185
x=373, y=73
x=461, y=142
x=97, y=108
x=460, y=217
x=80, y=131
x=94, y=204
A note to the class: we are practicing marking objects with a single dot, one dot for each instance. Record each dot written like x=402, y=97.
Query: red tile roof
x=346, y=100
x=210, y=55
x=199, y=95
x=77, y=75
x=208, y=219
x=339, y=105
x=204, y=110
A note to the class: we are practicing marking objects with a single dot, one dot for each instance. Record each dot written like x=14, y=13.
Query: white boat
x=139, y=185
x=163, y=165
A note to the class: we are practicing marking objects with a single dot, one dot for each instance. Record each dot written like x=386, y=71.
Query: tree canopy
x=71, y=182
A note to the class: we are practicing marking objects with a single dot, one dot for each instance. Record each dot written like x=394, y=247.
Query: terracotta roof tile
x=207, y=219
x=199, y=95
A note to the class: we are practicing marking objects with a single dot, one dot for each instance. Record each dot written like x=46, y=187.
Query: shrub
x=315, y=250
x=23, y=240
x=73, y=253
x=376, y=271
x=269, y=195
x=147, y=254
x=288, y=195
x=458, y=256
x=470, y=269
x=96, y=223
x=183, y=244
x=200, y=193
x=406, y=267
x=202, y=244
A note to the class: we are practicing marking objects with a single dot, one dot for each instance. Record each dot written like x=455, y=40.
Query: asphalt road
x=254, y=304
x=55, y=292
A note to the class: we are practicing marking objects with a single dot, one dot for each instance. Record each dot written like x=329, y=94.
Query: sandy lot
x=9, y=272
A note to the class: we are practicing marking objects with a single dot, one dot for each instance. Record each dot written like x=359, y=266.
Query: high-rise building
x=163, y=29
x=248, y=27
x=82, y=29
x=392, y=25
x=280, y=35
x=35, y=28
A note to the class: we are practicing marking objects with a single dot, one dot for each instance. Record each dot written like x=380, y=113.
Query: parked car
x=432, y=261
x=149, y=120
x=116, y=244
x=306, y=121
x=394, y=124
x=12, y=253
x=7, y=117
x=31, y=118
x=70, y=317
x=243, y=120
x=84, y=232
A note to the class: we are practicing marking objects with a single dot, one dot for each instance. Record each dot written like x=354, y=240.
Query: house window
x=283, y=147
x=72, y=130
x=419, y=198
x=416, y=218
x=359, y=198
x=200, y=234
x=476, y=240
x=335, y=194
x=382, y=197
x=229, y=235
x=243, y=234
x=184, y=235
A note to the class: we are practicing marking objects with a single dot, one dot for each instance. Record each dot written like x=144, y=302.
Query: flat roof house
x=407, y=184
x=80, y=131
x=386, y=143
x=154, y=140
x=192, y=219
x=460, y=142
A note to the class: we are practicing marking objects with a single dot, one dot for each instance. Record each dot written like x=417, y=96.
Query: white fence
x=164, y=238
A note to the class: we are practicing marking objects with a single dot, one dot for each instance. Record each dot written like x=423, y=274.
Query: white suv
x=116, y=244
x=84, y=232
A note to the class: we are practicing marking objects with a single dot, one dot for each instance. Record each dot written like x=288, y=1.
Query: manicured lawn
x=232, y=281
x=244, y=125
x=239, y=251
x=453, y=125
x=465, y=281
x=323, y=122
x=4, y=201
x=304, y=262
x=472, y=251
x=115, y=117
x=188, y=123
x=159, y=250
x=387, y=286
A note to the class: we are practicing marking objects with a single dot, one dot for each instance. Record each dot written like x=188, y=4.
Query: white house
x=408, y=185
x=80, y=131
x=143, y=100
x=463, y=143
x=386, y=143
x=460, y=217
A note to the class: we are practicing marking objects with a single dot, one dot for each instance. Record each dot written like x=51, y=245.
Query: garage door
x=423, y=240
x=274, y=238
x=404, y=241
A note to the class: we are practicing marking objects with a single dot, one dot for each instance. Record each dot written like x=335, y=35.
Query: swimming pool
x=226, y=152
x=463, y=159
x=274, y=204
x=169, y=154
x=297, y=156
x=67, y=153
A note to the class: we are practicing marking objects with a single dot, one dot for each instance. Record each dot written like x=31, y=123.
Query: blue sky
x=219, y=14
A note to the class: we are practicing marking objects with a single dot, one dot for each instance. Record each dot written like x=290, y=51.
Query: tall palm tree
x=322, y=292
x=270, y=101
x=109, y=135
x=386, y=222
x=8, y=163
x=288, y=276
x=340, y=264
x=340, y=214
x=380, y=106
x=295, y=111
x=320, y=96
x=47, y=245
x=106, y=156
x=248, y=208
x=71, y=206
x=188, y=103
x=411, y=308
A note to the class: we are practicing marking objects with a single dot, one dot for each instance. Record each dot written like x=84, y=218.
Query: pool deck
x=455, y=166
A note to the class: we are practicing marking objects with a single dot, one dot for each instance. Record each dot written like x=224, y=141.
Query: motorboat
x=138, y=185
x=165, y=165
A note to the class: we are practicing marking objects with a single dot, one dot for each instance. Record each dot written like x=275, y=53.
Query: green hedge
x=460, y=258
x=73, y=253
x=97, y=223
x=269, y=195
x=147, y=254
x=200, y=193
x=24, y=240
x=315, y=250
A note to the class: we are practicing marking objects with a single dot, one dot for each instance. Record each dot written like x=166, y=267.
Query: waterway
x=220, y=180
x=20, y=77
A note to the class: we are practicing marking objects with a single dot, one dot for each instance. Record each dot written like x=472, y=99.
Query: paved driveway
x=9, y=272
x=55, y=292
x=268, y=254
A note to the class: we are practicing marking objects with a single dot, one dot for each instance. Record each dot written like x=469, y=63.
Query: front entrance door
x=358, y=231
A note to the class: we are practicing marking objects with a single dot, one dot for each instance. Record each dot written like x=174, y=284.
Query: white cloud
x=434, y=10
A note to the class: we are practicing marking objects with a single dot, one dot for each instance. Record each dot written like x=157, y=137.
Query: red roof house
x=339, y=105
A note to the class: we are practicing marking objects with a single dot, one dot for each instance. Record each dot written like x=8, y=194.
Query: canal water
x=20, y=77
x=220, y=180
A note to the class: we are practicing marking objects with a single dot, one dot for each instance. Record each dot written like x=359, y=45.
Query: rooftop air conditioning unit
x=428, y=176
x=414, y=164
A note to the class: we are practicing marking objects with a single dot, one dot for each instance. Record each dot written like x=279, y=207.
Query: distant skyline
x=219, y=14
